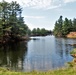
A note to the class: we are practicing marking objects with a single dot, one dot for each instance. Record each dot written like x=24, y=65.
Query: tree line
x=63, y=27
x=40, y=32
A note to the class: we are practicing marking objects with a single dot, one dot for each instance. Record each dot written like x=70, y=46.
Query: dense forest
x=12, y=25
x=63, y=27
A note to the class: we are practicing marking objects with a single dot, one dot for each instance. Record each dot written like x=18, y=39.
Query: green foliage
x=69, y=71
x=73, y=51
x=38, y=31
x=58, y=27
x=11, y=21
x=34, y=31
x=29, y=32
x=74, y=24
x=71, y=64
x=41, y=32
x=66, y=26
x=63, y=27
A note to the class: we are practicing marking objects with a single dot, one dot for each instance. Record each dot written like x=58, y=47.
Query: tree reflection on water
x=12, y=55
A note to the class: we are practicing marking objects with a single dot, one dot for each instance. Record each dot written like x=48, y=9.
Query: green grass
x=69, y=71
x=73, y=51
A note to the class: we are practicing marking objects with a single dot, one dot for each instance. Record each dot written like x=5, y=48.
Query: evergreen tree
x=74, y=24
x=66, y=26
x=34, y=32
x=38, y=31
x=11, y=21
x=70, y=26
x=58, y=27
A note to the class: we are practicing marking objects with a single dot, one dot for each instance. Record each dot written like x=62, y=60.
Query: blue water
x=47, y=53
x=40, y=53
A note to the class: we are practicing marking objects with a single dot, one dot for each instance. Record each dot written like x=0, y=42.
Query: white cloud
x=38, y=4
x=52, y=7
x=34, y=17
x=41, y=4
x=48, y=4
x=68, y=1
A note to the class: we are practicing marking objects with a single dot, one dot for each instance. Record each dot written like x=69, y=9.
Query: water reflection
x=63, y=49
x=12, y=55
x=58, y=45
x=62, y=46
x=43, y=54
x=47, y=53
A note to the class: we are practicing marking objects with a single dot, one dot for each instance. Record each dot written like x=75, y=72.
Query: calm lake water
x=45, y=53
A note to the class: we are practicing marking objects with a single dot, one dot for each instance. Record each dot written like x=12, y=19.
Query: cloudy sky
x=44, y=13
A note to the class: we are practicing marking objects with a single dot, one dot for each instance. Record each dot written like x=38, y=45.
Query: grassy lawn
x=69, y=71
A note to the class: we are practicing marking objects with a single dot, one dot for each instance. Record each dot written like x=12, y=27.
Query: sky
x=44, y=13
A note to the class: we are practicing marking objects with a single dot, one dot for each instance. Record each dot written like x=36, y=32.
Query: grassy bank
x=70, y=71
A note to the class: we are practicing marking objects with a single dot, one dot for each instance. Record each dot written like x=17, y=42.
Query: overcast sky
x=44, y=13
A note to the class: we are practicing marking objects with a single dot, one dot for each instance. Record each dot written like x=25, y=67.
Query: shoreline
x=63, y=71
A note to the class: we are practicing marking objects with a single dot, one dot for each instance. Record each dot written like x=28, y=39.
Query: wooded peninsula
x=64, y=27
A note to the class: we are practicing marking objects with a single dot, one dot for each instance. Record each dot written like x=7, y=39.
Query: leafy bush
x=73, y=51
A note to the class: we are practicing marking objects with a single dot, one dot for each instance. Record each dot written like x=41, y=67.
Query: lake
x=40, y=53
